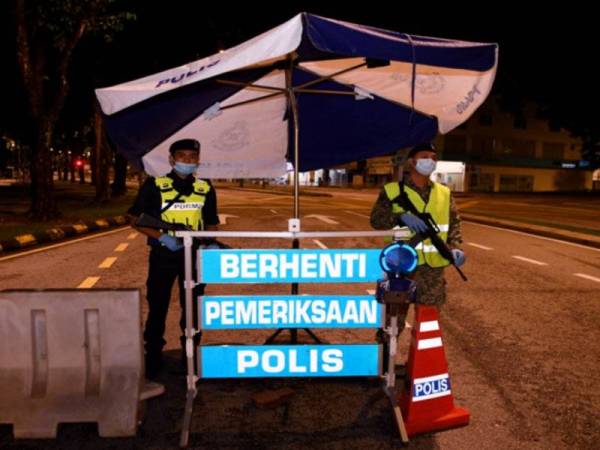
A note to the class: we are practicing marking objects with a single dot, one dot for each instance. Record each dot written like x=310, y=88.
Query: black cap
x=185, y=144
x=423, y=147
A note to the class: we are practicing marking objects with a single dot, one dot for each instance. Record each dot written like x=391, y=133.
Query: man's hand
x=415, y=224
x=459, y=257
x=171, y=242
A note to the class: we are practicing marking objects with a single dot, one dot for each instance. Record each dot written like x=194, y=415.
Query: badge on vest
x=184, y=206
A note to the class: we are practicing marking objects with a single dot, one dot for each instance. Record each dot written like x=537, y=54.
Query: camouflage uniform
x=431, y=285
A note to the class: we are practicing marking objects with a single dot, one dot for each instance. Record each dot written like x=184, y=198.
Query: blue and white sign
x=289, y=266
x=291, y=311
x=431, y=387
x=240, y=361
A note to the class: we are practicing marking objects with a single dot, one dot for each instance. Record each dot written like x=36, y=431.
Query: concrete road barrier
x=70, y=356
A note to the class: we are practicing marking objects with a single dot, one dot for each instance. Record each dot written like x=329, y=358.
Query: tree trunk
x=43, y=201
x=101, y=151
x=119, y=186
x=93, y=168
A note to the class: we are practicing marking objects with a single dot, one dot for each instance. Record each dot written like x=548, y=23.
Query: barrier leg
x=190, y=348
x=390, y=387
x=187, y=419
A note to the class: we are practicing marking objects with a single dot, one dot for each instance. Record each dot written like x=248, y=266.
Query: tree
x=47, y=35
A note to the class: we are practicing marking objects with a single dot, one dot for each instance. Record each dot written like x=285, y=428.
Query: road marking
x=88, y=283
x=62, y=244
x=107, y=262
x=587, y=277
x=319, y=243
x=587, y=247
x=482, y=247
x=325, y=219
x=467, y=204
x=274, y=212
x=121, y=247
x=132, y=236
x=532, y=261
x=357, y=214
x=223, y=218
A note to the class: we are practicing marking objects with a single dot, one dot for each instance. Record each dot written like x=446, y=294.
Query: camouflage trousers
x=431, y=290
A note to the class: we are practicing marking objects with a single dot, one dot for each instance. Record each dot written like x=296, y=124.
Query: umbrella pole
x=294, y=108
x=295, y=243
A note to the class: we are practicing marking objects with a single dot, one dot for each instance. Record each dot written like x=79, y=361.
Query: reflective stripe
x=426, y=248
x=180, y=206
x=431, y=325
x=425, y=344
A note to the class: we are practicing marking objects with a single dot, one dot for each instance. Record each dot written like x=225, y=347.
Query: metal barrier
x=288, y=361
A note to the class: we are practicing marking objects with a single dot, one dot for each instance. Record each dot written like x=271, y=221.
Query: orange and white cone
x=426, y=402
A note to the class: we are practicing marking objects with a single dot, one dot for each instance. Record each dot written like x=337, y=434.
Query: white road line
x=532, y=261
x=132, y=236
x=274, y=212
x=322, y=218
x=121, y=247
x=88, y=283
x=107, y=262
x=482, y=247
x=357, y=214
x=319, y=243
x=587, y=277
x=533, y=235
x=223, y=218
x=49, y=247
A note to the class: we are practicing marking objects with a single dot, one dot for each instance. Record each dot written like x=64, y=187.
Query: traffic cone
x=426, y=401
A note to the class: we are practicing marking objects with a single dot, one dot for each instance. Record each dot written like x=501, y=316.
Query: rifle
x=432, y=229
x=148, y=221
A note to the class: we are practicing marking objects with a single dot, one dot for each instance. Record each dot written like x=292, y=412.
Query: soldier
x=426, y=196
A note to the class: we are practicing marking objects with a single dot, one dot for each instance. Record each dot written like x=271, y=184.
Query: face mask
x=425, y=166
x=185, y=169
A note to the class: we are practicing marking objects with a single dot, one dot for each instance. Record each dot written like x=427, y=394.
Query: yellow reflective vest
x=439, y=208
x=187, y=209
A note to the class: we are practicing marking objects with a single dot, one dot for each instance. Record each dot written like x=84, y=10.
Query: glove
x=415, y=224
x=459, y=257
x=171, y=242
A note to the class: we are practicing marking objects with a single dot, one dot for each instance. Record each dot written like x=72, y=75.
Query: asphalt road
x=521, y=339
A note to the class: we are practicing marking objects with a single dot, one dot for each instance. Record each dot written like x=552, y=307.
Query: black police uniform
x=166, y=265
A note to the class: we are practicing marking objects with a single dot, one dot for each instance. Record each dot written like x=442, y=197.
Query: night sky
x=547, y=54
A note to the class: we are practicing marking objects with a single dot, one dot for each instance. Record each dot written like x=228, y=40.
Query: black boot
x=154, y=364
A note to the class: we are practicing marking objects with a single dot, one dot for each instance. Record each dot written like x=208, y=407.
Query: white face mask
x=425, y=166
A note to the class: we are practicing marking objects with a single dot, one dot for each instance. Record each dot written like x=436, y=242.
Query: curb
x=577, y=238
x=59, y=233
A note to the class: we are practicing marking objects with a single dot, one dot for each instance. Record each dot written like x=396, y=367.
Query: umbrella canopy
x=345, y=91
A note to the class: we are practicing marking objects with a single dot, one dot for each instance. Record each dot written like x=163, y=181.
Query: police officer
x=426, y=196
x=181, y=198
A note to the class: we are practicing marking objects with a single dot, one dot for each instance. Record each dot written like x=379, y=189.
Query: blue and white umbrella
x=340, y=91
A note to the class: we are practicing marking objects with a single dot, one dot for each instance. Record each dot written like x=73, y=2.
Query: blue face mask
x=185, y=169
x=425, y=166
